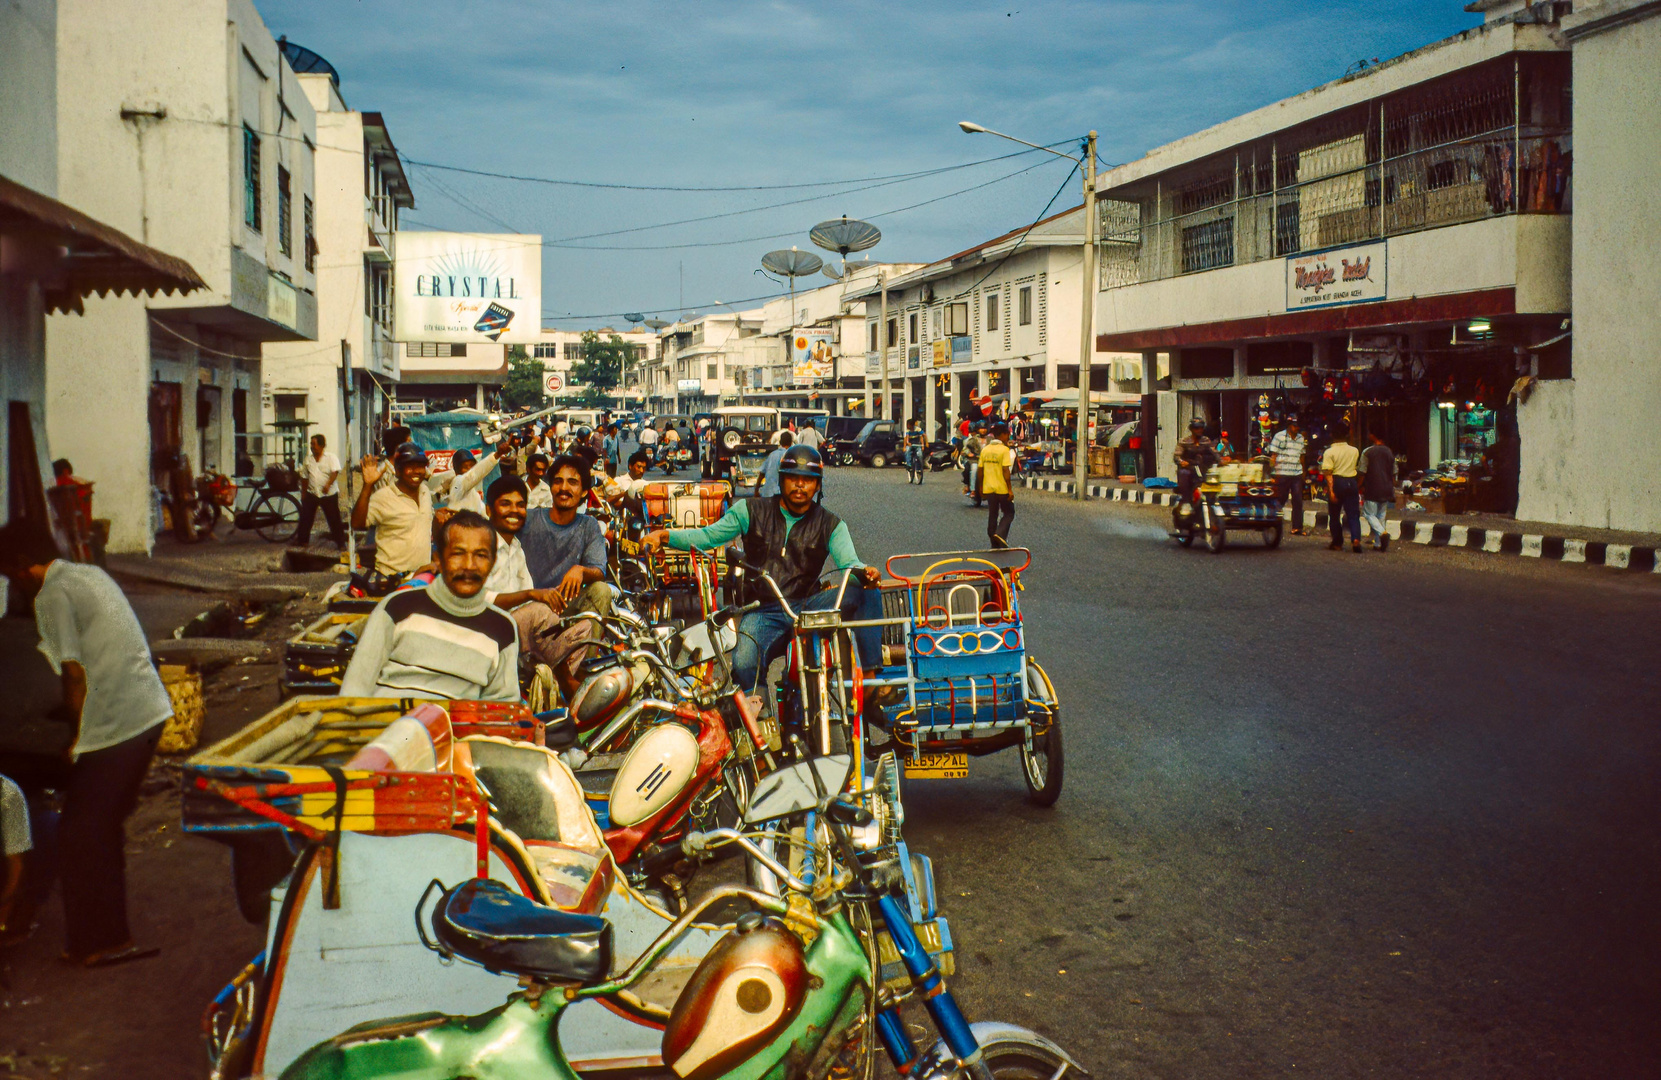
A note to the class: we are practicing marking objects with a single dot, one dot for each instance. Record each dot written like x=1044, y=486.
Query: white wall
x=1607, y=469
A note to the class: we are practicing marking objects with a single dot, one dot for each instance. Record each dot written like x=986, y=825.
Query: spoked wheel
x=279, y=515
x=1007, y=1055
x=1042, y=765
x=1216, y=538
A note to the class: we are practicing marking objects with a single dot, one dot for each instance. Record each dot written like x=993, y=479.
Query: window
x=957, y=319
x=285, y=213
x=545, y=351
x=379, y=298
x=711, y=373
x=311, y=234
x=893, y=332
x=939, y=327
x=1026, y=305
x=991, y=311
x=573, y=350
x=873, y=329
x=251, y=215
x=434, y=349
x=911, y=327
x=1207, y=246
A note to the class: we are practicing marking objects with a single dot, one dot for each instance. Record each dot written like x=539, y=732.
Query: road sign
x=553, y=382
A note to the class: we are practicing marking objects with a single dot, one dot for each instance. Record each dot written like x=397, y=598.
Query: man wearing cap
x=401, y=512
x=789, y=535
x=1194, y=455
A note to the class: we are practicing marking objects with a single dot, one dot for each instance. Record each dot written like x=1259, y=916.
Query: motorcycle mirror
x=792, y=790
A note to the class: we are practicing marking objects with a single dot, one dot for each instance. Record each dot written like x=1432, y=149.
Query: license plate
x=938, y=767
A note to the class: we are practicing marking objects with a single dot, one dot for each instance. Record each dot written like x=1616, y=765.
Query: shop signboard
x=810, y=357
x=942, y=350
x=689, y=386
x=469, y=288
x=872, y=366
x=1353, y=274
x=963, y=348
x=400, y=409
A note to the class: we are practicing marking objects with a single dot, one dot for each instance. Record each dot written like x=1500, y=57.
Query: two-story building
x=188, y=130
x=1391, y=248
x=561, y=350
x=361, y=188
x=703, y=361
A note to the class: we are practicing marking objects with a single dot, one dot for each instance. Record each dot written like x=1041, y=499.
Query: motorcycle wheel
x=280, y=513
x=1272, y=535
x=1044, y=765
x=1216, y=539
x=1019, y=1062
x=1185, y=537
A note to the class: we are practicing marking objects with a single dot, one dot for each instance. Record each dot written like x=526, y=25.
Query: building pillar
x=1239, y=366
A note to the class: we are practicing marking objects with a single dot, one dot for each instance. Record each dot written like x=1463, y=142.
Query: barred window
x=285, y=212
x=434, y=349
x=311, y=233
x=251, y=210
x=546, y=351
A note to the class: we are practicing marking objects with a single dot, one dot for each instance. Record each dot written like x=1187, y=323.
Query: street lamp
x=1087, y=331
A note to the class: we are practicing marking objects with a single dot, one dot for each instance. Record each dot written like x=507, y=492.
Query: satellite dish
x=635, y=317
x=657, y=324
x=844, y=234
x=792, y=263
x=833, y=271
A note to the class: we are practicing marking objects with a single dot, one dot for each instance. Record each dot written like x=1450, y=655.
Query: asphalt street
x=1325, y=815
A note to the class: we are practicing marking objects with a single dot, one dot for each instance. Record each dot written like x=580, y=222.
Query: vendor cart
x=1234, y=496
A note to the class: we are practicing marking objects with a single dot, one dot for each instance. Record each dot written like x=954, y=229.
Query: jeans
x=1346, y=504
x=1374, y=513
x=768, y=626
x=308, y=514
x=1000, y=515
x=92, y=835
x=914, y=461
x=1289, y=489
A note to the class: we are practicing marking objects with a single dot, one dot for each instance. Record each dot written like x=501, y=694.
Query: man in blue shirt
x=789, y=535
x=767, y=481
x=565, y=553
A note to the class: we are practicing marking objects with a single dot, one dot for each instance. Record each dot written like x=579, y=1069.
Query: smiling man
x=446, y=640
x=565, y=552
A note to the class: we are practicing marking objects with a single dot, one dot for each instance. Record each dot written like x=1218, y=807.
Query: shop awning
x=94, y=257
x=1069, y=397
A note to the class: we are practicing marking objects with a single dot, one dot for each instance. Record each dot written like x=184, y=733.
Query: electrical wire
x=1011, y=252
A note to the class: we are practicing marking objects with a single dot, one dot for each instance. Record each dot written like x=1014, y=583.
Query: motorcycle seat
x=495, y=927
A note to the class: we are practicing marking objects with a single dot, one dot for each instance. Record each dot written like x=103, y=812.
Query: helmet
x=584, y=432
x=463, y=457
x=802, y=460
x=408, y=454
x=1196, y=424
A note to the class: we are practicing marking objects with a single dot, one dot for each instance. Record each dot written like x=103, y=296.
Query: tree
x=524, y=383
x=601, y=368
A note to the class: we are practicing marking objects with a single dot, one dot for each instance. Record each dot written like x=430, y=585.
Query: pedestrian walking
x=810, y=436
x=320, y=474
x=997, y=468
x=913, y=453
x=968, y=456
x=1340, y=464
x=767, y=480
x=117, y=704
x=1287, y=449
x=1378, y=488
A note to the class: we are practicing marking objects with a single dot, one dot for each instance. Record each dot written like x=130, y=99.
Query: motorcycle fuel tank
x=746, y=991
x=657, y=769
x=602, y=695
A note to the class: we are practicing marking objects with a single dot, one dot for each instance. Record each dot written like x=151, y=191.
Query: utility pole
x=882, y=336
x=1087, y=321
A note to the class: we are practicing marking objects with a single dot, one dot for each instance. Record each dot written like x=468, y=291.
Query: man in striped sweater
x=446, y=640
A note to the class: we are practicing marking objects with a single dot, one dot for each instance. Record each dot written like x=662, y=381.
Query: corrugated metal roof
x=99, y=259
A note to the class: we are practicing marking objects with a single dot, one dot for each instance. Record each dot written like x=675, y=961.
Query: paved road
x=1326, y=815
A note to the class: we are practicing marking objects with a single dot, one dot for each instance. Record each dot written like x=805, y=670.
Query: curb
x=1631, y=557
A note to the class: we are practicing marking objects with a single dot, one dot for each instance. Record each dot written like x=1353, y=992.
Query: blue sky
x=770, y=92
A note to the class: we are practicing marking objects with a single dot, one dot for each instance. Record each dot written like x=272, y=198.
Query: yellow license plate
x=938, y=767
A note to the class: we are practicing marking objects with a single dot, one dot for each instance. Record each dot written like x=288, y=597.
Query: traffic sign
x=553, y=382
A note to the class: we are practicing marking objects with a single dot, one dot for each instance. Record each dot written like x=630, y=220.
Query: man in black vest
x=789, y=535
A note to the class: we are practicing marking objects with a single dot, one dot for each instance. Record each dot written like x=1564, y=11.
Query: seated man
x=789, y=535
x=402, y=512
x=565, y=552
x=538, y=496
x=446, y=640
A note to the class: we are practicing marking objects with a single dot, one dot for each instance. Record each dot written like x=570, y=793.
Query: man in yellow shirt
x=1343, y=489
x=997, y=465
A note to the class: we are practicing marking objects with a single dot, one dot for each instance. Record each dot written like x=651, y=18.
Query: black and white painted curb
x=1635, y=557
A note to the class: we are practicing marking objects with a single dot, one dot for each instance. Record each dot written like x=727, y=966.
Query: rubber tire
x=1272, y=535
x=878, y=460
x=1016, y=1062
x=1186, y=538
x=1055, y=758
x=1216, y=539
x=283, y=504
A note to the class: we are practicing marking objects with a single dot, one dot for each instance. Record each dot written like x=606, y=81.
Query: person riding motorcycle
x=789, y=535
x=1195, y=454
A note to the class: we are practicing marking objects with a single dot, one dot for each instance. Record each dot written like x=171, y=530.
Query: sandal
x=121, y=954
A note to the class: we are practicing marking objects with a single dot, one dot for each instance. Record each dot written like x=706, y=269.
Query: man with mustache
x=446, y=640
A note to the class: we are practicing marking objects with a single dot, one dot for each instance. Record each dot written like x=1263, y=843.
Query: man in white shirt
x=117, y=704
x=808, y=435
x=537, y=492
x=320, y=472
x=464, y=482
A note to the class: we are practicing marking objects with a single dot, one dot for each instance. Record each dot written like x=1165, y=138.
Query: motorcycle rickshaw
x=964, y=685
x=1236, y=495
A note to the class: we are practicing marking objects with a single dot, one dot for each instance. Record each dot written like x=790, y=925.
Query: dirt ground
x=142, y=1019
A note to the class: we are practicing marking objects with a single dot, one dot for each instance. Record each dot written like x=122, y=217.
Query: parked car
x=840, y=433
x=742, y=433
x=877, y=444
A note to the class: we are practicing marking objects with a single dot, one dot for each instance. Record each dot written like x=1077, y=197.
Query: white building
x=187, y=129
x=445, y=375
x=561, y=350
x=1601, y=422
x=703, y=361
x=361, y=188
x=1001, y=317
x=51, y=258
x=1407, y=224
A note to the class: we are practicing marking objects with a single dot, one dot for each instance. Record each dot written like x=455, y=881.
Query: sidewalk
x=1489, y=533
x=242, y=565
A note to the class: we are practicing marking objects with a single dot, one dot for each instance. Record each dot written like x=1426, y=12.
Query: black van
x=878, y=443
